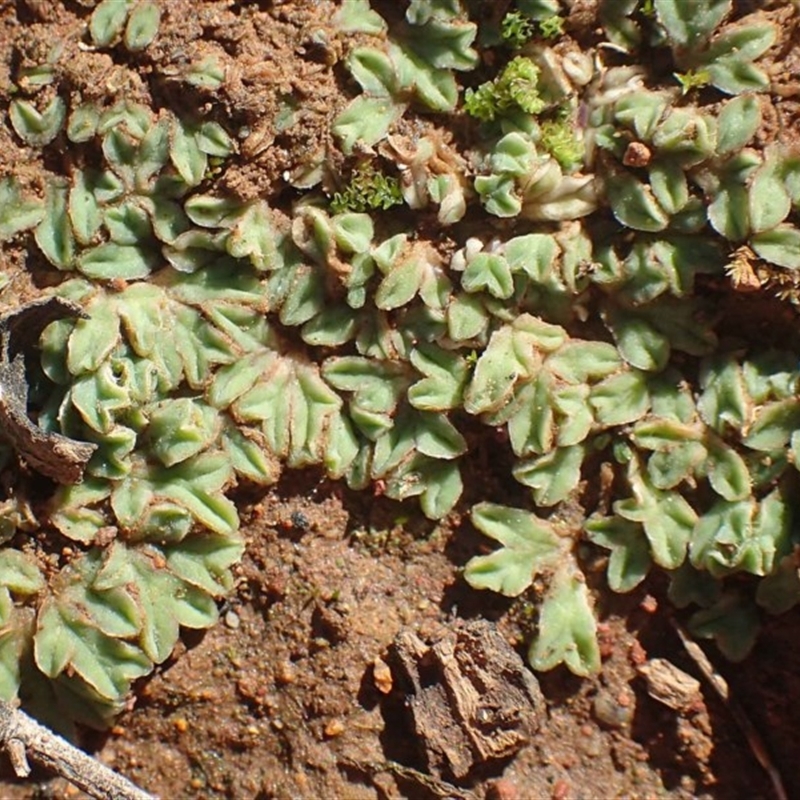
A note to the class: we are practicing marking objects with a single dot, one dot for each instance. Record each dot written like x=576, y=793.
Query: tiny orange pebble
x=334, y=728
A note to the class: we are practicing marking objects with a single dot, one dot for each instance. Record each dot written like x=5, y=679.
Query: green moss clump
x=559, y=139
x=368, y=190
x=516, y=87
x=516, y=29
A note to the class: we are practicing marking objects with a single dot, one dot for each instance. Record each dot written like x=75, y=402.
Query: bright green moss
x=516, y=87
x=559, y=139
x=516, y=29
x=368, y=190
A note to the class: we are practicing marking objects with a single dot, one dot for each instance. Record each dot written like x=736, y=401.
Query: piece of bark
x=470, y=696
x=23, y=738
x=670, y=685
x=56, y=456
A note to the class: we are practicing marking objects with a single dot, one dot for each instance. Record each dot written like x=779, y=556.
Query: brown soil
x=288, y=696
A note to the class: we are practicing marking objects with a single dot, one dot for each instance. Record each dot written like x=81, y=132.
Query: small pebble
x=285, y=673
x=232, y=620
x=502, y=789
x=334, y=728
x=560, y=790
x=637, y=154
x=610, y=711
x=382, y=676
x=181, y=725
x=649, y=604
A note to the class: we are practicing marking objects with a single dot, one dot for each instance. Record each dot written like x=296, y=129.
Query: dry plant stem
x=720, y=686
x=21, y=737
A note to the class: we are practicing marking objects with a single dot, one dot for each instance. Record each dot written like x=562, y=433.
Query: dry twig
x=21, y=737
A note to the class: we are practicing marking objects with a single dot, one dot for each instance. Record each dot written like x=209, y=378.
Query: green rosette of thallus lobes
x=185, y=389
x=714, y=53
x=72, y=643
x=155, y=484
x=709, y=178
x=142, y=377
x=120, y=221
x=414, y=64
x=520, y=180
x=554, y=394
x=372, y=426
x=713, y=488
x=561, y=398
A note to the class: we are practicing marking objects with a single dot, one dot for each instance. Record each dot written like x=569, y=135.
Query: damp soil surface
x=299, y=691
